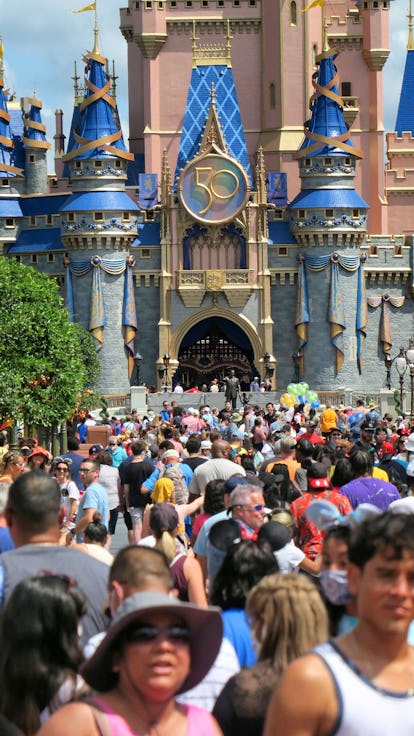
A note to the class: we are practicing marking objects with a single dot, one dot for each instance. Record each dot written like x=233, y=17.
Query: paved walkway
x=120, y=538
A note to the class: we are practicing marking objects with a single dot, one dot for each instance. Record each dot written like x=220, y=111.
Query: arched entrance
x=210, y=349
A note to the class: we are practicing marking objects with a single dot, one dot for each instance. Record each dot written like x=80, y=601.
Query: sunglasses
x=255, y=507
x=148, y=633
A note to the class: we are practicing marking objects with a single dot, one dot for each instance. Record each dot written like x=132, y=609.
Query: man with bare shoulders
x=361, y=684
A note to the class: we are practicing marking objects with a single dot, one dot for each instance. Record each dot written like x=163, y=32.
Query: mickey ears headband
x=325, y=514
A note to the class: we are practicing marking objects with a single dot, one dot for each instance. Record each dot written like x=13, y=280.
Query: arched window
x=272, y=95
x=293, y=13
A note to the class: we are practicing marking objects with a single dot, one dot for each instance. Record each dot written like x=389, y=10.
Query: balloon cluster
x=299, y=393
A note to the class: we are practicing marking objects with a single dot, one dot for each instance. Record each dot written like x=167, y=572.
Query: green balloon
x=293, y=389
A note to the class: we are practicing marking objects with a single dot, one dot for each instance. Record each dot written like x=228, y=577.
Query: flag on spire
x=92, y=6
x=313, y=4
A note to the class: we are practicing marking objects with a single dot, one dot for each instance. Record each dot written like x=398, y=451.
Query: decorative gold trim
x=375, y=58
x=150, y=44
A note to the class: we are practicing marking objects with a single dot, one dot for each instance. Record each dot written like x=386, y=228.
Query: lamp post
x=269, y=369
x=410, y=360
x=401, y=365
x=138, y=360
x=166, y=361
x=297, y=357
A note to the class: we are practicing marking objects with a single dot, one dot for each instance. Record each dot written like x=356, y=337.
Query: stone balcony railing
x=351, y=109
x=235, y=284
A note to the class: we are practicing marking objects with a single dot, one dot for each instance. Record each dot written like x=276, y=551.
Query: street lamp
x=166, y=362
x=410, y=359
x=269, y=369
x=401, y=365
x=138, y=360
x=297, y=357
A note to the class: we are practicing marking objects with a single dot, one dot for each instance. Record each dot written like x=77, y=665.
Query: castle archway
x=209, y=346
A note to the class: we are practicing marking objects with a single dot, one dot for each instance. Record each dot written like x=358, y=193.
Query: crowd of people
x=267, y=586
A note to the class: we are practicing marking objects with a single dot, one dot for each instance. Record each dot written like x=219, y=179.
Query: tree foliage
x=41, y=368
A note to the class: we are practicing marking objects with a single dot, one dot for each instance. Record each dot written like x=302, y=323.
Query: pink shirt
x=199, y=721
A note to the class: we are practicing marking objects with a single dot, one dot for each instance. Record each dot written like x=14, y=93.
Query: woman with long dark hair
x=40, y=650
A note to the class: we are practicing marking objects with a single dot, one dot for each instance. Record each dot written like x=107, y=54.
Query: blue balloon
x=301, y=399
x=359, y=416
x=315, y=404
x=351, y=420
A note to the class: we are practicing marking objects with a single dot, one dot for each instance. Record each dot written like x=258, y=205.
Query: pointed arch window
x=293, y=13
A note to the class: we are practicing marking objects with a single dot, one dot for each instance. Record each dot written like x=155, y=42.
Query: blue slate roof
x=102, y=200
x=10, y=207
x=198, y=104
x=279, y=234
x=328, y=198
x=8, y=154
x=42, y=205
x=37, y=240
x=405, y=115
x=97, y=120
x=148, y=234
x=327, y=117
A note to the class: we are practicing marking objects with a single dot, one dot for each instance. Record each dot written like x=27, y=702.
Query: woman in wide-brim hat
x=155, y=648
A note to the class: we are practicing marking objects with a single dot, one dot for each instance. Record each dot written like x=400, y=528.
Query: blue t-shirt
x=237, y=631
x=6, y=541
x=95, y=497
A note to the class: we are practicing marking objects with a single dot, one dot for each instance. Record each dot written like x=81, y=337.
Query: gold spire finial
x=325, y=45
x=96, y=49
x=213, y=94
x=410, y=43
x=228, y=42
x=75, y=81
x=194, y=44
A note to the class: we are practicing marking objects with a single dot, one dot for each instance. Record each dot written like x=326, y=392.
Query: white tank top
x=363, y=708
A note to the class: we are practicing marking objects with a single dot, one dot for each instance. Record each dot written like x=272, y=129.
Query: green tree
x=41, y=369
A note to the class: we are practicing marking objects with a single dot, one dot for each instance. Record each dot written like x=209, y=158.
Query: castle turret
x=10, y=165
x=330, y=217
x=99, y=224
x=327, y=211
x=35, y=147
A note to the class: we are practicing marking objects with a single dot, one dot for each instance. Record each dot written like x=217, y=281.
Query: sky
x=42, y=40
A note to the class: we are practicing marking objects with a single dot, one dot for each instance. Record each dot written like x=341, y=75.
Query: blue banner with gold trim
x=147, y=191
x=277, y=188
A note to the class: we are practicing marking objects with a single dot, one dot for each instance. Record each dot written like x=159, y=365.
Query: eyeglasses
x=61, y=469
x=148, y=633
x=86, y=470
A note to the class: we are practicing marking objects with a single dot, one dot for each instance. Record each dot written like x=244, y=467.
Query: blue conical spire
x=98, y=131
x=405, y=115
x=7, y=152
x=326, y=132
x=35, y=131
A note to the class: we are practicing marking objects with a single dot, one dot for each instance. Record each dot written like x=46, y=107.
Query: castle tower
x=35, y=147
x=11, y=170
x=215, y=284
x=99, y=226
x=399, y=176
x=328, y=221
x=375, y=52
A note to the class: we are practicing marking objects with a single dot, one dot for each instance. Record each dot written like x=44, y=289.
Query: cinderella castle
x=259, y=219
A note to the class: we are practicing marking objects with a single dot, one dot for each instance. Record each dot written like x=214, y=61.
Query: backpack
x=180, y=486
